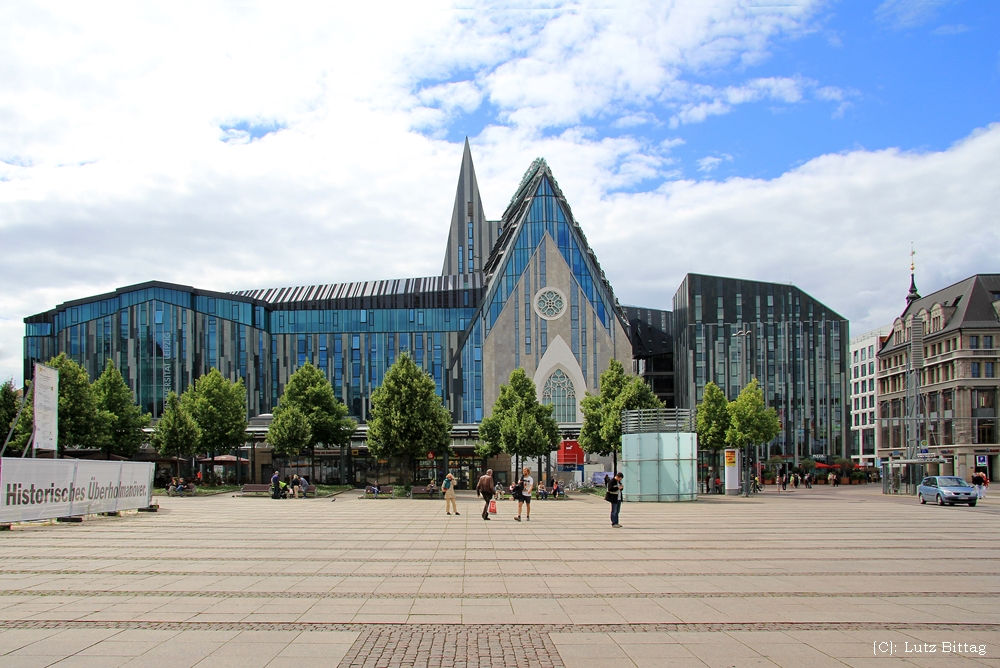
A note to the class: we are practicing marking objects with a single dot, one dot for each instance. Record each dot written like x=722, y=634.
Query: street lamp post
x=743, y=335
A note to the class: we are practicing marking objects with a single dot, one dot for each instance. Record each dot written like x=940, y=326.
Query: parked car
x=946, y=489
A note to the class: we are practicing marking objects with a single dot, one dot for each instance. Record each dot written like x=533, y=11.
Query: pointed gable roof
x=538, y=182
x=464, y=246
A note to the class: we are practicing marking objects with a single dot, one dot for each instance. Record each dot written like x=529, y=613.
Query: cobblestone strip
x=202, y=593
x=499, y=558
x=588, y=576
x=453, y=647
x=487, y=629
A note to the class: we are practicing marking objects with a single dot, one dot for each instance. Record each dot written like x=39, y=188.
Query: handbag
x=518, y=489
x=493, y=507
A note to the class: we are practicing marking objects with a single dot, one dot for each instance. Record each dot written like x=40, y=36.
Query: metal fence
x=658, y=420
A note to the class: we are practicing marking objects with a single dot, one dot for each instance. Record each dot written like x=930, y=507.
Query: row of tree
x=408, y=418
x=735, y=424
x=101, y=415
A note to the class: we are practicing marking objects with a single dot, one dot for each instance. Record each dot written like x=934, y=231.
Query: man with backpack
x=485, y=489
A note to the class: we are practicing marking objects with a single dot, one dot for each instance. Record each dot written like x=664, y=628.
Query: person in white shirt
x=526, y=483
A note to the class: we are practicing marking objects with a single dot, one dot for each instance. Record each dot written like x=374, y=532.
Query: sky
x=233, y=146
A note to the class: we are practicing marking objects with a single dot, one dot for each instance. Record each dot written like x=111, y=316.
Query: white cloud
x=951, y=29
x=710, y=162
x=839, y=227
x=902, y=14
x=114, y=167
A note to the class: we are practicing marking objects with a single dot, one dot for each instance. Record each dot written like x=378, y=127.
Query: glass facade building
x=729, y=331
x=525, y=291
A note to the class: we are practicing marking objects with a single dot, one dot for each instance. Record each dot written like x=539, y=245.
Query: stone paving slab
x=815, y=577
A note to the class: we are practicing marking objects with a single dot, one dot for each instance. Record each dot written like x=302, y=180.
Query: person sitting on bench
x=303, y=485
x=375, y=490
x=431, y=489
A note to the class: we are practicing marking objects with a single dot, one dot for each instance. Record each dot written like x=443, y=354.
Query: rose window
x=550, y=303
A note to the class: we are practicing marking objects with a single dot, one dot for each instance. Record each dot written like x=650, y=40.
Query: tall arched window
x=559, y=392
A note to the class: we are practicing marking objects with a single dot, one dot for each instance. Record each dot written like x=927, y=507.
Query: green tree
x=601, y=432
x=9, y=403
x=518, y=425
x=750, y=421
x=176, y=433
x=124, y=435
x=712, y=421
x=82, y=424
x=846, y=465
x=289, y=433
x=408, y=418
x=807, y=464
x=218, y=406
x=310, y=392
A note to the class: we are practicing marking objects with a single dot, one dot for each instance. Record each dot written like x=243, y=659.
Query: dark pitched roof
x=972, y=299
x=391, y=293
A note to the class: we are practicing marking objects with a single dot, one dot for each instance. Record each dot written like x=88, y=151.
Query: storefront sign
x=730, y=458
x=982, y=461
x=37, y=489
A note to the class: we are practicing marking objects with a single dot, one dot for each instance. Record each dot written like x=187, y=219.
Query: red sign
x=570, y=452
x=430, y=455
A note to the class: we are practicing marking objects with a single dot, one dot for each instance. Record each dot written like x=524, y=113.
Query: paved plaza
x=822, y=577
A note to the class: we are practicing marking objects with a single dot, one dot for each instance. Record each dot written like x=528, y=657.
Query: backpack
x=446, y=484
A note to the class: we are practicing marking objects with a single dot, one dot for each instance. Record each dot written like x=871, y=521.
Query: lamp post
x=743, y=335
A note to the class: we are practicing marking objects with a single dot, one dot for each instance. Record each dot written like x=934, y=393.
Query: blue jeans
x=616, y=507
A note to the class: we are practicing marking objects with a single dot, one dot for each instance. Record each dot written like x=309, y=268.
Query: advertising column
x=732, y=473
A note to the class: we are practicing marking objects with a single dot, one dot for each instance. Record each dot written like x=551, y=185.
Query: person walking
x=522, y=492
x=275, y=486
x=449, y=494
x=614, y=495
x=485, y=488
x=977, y=482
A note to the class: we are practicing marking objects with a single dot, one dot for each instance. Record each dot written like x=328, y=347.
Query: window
x=973, y=342
x=857, y=404
x=974, y=373
x=988, y=341
x=855, y=388
x=559, y=393
x=857, y=420
x=857, y=374
x=871, y=351
x=989, y=370
x=855, y=356
x=863, y=358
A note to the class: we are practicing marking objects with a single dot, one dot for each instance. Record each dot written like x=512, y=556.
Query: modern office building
x=943, y=350
x=523, y=291
x=863, y=394
x=728, y=331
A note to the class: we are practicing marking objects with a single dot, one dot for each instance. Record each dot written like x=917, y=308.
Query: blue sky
x=234, y=147
x=914, y=75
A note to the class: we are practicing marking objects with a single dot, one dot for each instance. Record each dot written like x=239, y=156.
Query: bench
x=310, y=489
x=255, y=489
x=417, y=491
x=562, y=493
x=384, y=490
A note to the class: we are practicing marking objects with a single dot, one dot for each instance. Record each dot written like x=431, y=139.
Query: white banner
x=37, y=489
x=46, y=407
